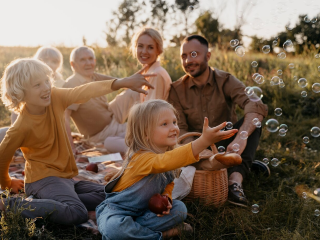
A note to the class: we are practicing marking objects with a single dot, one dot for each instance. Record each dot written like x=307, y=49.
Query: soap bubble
x=235, y=147
x=254, y=64
x=304, y=195
x=281, y=84
x=281, y=55
x=279, y=72
x=244, y=135
x=274, y=43
x=317, y=212
x=257, y=94
x=315, y=131
x=248, y=91
x=282, y=132
x=275, y=80
x=258, y=125
x=291, y=65
x=302, y=82
x=295, y=78
x=266, y=49
x=265, y=160
x=272, y=125
x=305, y=139
x=259, y=79
x=278, y=112
x=314, y=20
x=317, y=56
x=255, y=121
x=274, y=162
x=240, y=51
x=288, y=46
x=234, y=43
x=255, y=208
x=307, y=19
x=316, y=87
x=229, y=125
x=304, y=94
x=194, y=54
x=221, y=149
x=284, y=126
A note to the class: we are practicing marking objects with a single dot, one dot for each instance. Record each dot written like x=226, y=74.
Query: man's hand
x=16, y=185
x=134, y=82
x=242, y=145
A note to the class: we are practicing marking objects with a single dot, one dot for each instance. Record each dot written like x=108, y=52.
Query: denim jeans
x=125, y=214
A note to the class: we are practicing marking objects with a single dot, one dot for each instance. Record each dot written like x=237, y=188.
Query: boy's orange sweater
x=43, y=139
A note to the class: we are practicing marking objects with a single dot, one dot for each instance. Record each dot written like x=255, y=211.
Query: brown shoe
x=228, y=159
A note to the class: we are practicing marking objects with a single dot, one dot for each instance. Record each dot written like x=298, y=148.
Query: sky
x=65, y=22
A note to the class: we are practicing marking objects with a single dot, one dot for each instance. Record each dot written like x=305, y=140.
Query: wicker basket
x=210, y=187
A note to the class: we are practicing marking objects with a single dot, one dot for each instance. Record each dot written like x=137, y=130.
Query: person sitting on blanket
x=207, y=92
x=149, y=168
x=39, y=131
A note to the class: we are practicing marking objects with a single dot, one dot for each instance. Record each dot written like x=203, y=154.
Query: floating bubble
x=288, y=46
x=255, y=208
x=304, y=94
x=229, y=125
x=280, y=80
x=255, y=121
x=305, y=139
x=278, y=112
x=317, y=212
x=291, y=65
x=194, y=54
x=234, y=43
x=248, y=91
x=317, y=56
x=235, y=147
x=282, y=132
x=244, y=135
x=314, y=20
x=274, y=162
x=304, y=195
x=258, y=125
x=257, y=94
x=302, y=82
x=272, y=125
x=265, y=160
x=295, y=78
x=255, y=75
x=282, y=55
x=279, y=72
x=284, y=126
x=254, y=64
x=259, y=79
x=281, y=84
x=221, y=149
x=307, y=19
x=316, y=87
x=274, y=43
x=240, y=51
x=315, y=131
x=266, y=49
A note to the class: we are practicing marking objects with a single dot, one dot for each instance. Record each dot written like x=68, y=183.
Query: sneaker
x=236, y=195
x=259, y=167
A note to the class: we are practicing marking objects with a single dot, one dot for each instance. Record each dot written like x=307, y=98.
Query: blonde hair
x=46, y=52
x=17, y=77
x=151, y=32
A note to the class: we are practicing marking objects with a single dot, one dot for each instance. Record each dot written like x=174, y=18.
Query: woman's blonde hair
x=151, y=32
x=46, y=52
x=17, y=76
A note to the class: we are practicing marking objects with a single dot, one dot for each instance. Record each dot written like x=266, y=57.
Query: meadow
x=283, y=211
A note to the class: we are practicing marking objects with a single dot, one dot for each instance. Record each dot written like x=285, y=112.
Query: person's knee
x=76, y=217
x=108, y=229
x=179, y=209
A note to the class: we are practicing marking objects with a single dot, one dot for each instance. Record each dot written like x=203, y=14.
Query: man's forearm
x=247, y=124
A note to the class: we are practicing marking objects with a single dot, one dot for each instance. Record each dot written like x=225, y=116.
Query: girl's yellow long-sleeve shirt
x=144, y=163
x=43, y=139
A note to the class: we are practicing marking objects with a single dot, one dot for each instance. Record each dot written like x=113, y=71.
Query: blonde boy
x=39, y=132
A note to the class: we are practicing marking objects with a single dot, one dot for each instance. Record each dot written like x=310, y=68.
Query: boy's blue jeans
x=61, y=200
x=125, y=214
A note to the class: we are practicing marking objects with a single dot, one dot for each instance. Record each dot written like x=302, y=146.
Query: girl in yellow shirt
x=149, y=168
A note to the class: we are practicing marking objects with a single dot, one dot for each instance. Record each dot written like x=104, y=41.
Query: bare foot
x=177, y=230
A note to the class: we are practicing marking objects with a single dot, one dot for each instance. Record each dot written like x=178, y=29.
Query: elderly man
x=97, y=120
x=208, y=92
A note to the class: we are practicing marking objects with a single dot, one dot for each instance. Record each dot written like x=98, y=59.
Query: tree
x=208, y=26
x=185, y=6
x=159, y=11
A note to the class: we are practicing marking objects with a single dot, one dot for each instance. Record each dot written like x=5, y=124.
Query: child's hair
x=17, y=77
x=151, y=32
x=46, y=52
x=142, y=120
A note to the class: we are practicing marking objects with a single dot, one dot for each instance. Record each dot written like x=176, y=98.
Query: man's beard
x=202, y=68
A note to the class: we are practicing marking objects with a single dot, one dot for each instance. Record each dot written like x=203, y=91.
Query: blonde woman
x=146, y=47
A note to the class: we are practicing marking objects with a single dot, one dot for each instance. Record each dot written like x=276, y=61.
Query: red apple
x=158, y=203
x=22, y=173
x=93, y=167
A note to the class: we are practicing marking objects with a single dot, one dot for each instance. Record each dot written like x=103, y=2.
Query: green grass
x=283, y=214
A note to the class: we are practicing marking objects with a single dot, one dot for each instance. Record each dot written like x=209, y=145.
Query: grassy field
x=283, y=212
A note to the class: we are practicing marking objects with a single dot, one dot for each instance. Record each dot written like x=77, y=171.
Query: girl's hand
x=168, y=209
x=16, y=185
x=134, y=82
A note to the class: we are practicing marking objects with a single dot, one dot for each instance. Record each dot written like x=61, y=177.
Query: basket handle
x=197, y=134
